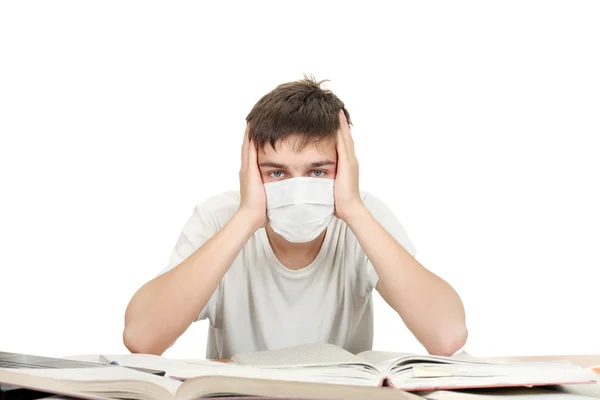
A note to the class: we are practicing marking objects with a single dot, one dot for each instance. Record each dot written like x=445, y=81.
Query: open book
x=114, y=382
x=317, y=371
x=554, y=393
x=331, y=364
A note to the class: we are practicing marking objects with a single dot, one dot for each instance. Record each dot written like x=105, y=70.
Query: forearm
x=429, y=306
x=166, y=306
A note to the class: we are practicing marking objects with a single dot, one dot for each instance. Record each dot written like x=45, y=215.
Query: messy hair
x=301, y=108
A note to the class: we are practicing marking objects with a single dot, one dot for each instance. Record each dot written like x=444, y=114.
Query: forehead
x=293, y=146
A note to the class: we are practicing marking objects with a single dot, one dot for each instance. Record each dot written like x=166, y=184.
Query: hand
x=347, y=194
x=253, y=201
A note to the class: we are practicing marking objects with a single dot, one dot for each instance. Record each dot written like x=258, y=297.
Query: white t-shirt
x=261, y=305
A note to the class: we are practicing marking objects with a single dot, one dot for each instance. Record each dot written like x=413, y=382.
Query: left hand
x=347, y=194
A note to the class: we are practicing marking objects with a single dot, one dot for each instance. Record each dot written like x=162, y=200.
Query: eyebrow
x=315, y=164
x=320, y=164
x=272, y=165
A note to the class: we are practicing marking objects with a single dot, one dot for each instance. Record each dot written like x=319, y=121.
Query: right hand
x=253, y=201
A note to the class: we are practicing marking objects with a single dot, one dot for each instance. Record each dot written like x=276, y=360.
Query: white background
x=477, y=122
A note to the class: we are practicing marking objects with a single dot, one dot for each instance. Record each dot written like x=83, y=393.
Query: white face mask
x=299, y=209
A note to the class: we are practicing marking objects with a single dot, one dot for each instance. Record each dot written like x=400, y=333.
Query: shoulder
x=376, y=205
x=221, y=203
x=217, y=210
x=207, y=218
x=387, y=217
x=369, y=198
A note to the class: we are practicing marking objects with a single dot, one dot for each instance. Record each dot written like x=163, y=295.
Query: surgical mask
x=299, y=209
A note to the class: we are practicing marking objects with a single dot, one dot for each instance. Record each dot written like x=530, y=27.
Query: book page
x=323, y=374
x=508, y=394
x=301, y=356
x=482, y=376
x=77, y=378
x=153, y=362
x=377, y=356
x=274, y=389
x=392, y=362
x=134, y=360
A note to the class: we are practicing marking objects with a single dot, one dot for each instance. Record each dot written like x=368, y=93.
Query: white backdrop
x=477, y=122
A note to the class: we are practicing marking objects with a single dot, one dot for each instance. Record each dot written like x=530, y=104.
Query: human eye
x=276, y=174
x=318, y=173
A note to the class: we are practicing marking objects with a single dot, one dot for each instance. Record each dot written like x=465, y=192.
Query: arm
x=429, y=307
x=165, y=307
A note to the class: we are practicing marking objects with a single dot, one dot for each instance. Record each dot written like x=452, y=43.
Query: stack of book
x=314, y=371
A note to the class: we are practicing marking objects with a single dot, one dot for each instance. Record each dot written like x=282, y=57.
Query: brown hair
x=301, y=107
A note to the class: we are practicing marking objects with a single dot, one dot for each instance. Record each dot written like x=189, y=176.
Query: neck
x=294, y=256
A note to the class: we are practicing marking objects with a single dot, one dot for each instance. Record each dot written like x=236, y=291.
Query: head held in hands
x=294, y=128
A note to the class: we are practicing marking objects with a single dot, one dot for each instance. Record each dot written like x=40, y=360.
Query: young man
x=293, y=257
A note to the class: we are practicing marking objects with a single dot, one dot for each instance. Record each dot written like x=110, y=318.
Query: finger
x=245, y=147
x=344, y=122
x=345, y=133
x=340, y=145
x=252, y=155
x=351, y=141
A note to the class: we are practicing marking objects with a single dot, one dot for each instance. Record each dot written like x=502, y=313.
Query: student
x=293, y=256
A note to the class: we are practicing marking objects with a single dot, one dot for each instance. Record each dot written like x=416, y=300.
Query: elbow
x=139, y=343
x=132, y=341
x=450, y=342
x=138, y=335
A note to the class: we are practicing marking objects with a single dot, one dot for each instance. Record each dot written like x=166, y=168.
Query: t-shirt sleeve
x=386, y=218
x=199, y=228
